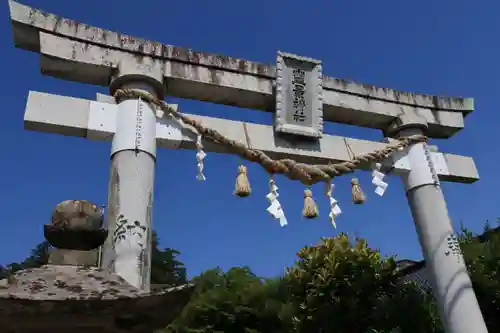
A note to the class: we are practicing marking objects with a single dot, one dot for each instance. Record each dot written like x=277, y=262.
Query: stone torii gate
x=81, y=53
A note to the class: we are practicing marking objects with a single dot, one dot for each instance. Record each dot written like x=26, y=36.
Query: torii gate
x=81, y=53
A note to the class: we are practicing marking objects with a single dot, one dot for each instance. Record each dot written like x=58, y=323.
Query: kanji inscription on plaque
x=299, y=100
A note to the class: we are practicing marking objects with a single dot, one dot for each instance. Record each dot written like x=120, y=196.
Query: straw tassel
x=310, y=210
x=358, y=196
x=242, y=187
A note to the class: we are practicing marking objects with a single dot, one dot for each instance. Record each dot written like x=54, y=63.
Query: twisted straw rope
x=307, y=174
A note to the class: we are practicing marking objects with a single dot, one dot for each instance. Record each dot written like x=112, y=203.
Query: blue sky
x=435, y=47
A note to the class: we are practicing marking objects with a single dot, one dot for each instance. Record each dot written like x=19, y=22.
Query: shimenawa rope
x=307, y=174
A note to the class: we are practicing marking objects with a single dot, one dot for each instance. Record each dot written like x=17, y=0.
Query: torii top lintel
x=83, y=53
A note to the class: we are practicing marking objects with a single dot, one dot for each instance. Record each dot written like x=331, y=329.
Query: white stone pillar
x=127, y=251
x=444, y=263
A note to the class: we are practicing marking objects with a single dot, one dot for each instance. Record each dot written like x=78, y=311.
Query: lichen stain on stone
x=214, y=60
x=165, y=51
x=152, y=48
x=179, y=53
x=73, y=52
x=149, y=211
x=220, y=61
x=242, y=65
x=457, y=100
x=95, y=34
x=179, y=70
x=138, y=45
x=397, y=95
x=57, y=23
x=120, y=39
x=146, y=253
x=73, y=25
x=139, y=57
x=194, y=56
x=372, y=91
x=32, y=16
x=128, y=42
x=435, y=102
x=367, y=87
x=214, y=78
x=343, y=83
x=114, y=193
x=105, y=36
x=33, y=13
x=261, y=68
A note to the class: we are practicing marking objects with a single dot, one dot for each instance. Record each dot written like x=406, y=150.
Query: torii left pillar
x=127, y=251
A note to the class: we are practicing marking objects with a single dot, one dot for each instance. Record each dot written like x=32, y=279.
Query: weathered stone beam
x=85, y=62
x=79, y=52
x=96, y=120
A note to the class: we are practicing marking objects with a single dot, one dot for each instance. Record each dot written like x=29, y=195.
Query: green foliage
x=38, y=256
x=407, y=309
x=166, y=268
x=337, y=286
x=334, y=287
x=483, y=262
x=233, y=301
x=342, y=287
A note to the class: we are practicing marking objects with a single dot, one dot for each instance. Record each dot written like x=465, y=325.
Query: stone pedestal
x=74, y=257
x=72, y=295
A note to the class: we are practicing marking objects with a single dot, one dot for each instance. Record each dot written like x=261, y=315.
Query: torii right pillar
x=445, y=266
